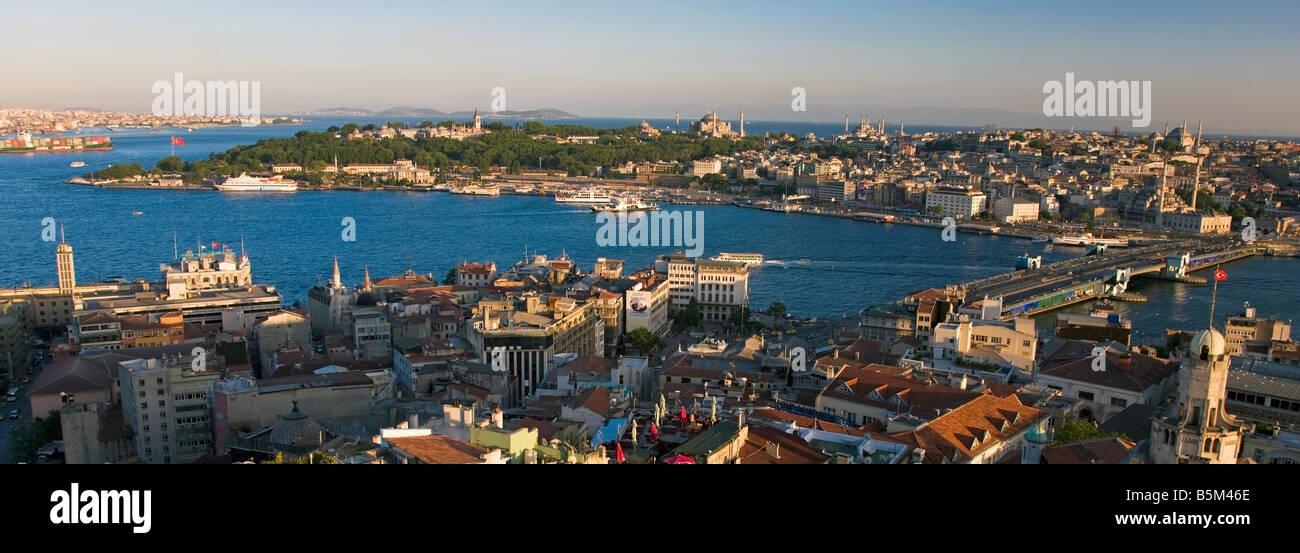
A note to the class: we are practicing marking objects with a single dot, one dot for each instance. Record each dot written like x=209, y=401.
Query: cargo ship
x=25, y=143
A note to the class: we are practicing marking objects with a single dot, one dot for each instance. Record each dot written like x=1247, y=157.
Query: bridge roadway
x=1090, y=277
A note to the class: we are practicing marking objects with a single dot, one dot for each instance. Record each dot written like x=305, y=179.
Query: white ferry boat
x=1087, y=239
x=245, y=183
x=477, y=190
x=626, y=204
x=747, y=258
x=588, y=196
x=77, y=164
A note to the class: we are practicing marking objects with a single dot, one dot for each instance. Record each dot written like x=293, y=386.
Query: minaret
x=677, y=121
x=742, y=123
x=366, y=285
x=63, y=261
x=846, y=123
x=1198, y=132
x=478, y=123
x=900, y=128
x=1164, y=177
x=338, y=281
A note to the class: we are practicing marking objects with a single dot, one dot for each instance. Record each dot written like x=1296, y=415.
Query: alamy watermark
x=1098, y=99
x=672, y=228
x=241, y=99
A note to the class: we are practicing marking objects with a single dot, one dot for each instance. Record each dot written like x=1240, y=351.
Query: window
x=1119, y=402
x=162, y=402
x=1085, y=395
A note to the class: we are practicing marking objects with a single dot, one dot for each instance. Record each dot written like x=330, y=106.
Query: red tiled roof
x=439, y=450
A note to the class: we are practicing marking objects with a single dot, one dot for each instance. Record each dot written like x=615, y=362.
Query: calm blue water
x=818, y=265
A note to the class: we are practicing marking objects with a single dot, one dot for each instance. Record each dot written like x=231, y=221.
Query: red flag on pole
x=1220, y=275
x=177, y=141
x=618, y=451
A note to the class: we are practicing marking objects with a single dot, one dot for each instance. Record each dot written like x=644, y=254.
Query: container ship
x=26, y=143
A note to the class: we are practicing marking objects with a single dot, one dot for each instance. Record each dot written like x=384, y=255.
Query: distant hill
x=407, y=112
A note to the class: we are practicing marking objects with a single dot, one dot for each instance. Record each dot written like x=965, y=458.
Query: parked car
x=14, y=414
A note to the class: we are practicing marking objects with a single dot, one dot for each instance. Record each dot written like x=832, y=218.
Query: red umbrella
x=679, y=460
x=618, y=453
x=683, y=415
x=654, y=432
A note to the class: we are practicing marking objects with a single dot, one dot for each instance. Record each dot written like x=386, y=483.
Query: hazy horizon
x=940, y=64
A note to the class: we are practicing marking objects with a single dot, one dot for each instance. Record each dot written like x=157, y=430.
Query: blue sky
x=1234, y=64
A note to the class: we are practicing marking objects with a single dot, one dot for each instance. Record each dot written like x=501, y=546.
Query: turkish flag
x=176, y=141
x=1220, y=275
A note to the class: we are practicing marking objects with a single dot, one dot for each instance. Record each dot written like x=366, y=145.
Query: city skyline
x=887, y=60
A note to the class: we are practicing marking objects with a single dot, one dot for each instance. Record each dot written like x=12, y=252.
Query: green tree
x=1076, y=430
x=170, y=164
x=777, y=309
x=451, y=276
x=689, y=317
x=26, y=437
x=643, y=340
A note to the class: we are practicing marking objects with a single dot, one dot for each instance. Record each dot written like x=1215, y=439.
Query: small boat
x=1041, y=238
x=137, y=213
x=77, y=164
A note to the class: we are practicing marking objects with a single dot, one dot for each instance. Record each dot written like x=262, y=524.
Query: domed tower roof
x=296, y=428
x=1208, y=343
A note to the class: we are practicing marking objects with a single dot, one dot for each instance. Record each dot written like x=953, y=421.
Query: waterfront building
x=888, y=322
x=476, y=275
x=1013, y=210
x=608, y=268
x=213, y=270
x=1198, y=223
x=955, y=202
x=165, y=400
x=1126, y=378
x=835, y=191
x=718, y=287
x=1246, y=330
x=1196, y=427
x=987, y=342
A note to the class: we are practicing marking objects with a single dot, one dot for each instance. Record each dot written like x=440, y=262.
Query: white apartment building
x=719, y=287
x=701, y=167
x=958, y=203
x=1010, y=210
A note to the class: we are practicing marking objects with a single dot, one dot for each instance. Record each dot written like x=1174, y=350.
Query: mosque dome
x=296, y=428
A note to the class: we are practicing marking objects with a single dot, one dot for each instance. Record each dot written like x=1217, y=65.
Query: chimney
x=918, y=456
x=836, y=354
x=413, y=420
x=773, y=449
x=498, y=418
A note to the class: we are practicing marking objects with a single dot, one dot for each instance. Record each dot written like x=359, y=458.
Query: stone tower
x=67, y=274
x=1197, y=428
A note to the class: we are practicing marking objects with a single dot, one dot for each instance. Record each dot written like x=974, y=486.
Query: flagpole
x=1214, y=295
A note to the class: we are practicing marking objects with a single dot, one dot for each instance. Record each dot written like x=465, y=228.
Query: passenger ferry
x=625, y=205
x=245, y=183
x=477, y=190
x=1087, y=239
x=746, y=258
x=588, y=196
